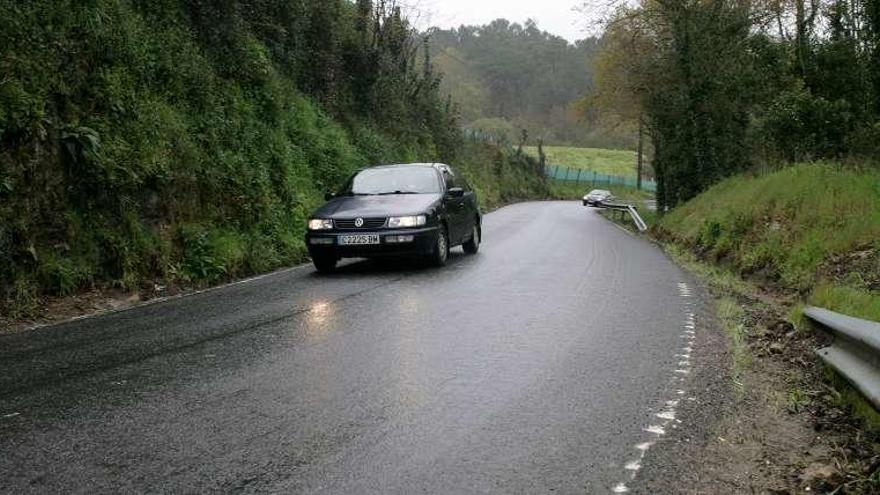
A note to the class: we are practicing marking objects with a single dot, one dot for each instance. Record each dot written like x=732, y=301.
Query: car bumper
x=327, y=243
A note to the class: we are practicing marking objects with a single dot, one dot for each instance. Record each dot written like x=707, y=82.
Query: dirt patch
x=860, y=268
x=52, y=310
x=781, y=430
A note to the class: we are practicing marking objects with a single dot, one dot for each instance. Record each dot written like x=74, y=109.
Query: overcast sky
x=556, y=16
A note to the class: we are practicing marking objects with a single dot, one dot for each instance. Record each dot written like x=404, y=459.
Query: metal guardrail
x=855, y=351
x=633, y=213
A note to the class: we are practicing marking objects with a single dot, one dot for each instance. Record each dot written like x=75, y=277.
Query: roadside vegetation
x=811, y=229
x=185, y=142
x=621, y=163
x=724, y=88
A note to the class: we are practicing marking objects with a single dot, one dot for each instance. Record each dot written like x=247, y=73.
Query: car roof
x=440, y=166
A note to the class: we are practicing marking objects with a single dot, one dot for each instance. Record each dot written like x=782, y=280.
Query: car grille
x=369, y=223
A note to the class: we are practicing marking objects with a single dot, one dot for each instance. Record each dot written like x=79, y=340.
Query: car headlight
x=320, y=224
x=404, y=222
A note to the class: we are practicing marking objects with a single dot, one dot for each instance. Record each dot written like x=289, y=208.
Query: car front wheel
x=473, y=245
x=324, y=263
x=440, y=254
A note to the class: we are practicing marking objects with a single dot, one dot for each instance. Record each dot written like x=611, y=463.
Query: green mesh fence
x=596, y=179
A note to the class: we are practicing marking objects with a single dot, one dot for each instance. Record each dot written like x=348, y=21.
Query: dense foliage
x=508, y=77
x=727, y=86
x=187, y=140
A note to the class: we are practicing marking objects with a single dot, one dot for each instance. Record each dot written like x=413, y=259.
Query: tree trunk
x=640, y=153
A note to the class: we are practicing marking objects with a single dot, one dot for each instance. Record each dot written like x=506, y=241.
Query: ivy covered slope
x=187, y=140
x=810, y=229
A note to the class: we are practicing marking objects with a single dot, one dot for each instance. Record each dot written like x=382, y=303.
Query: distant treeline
x=508, y=77
x=725, y=87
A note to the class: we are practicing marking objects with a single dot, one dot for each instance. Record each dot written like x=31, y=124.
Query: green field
x=611, y=162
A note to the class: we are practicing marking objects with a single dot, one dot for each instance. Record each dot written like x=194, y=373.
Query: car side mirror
x=455, y=192
x=329, y=196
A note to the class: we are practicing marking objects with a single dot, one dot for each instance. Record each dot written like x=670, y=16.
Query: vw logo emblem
x=359, y=223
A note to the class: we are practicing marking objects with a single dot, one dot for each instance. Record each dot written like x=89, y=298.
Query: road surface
x=550, y=362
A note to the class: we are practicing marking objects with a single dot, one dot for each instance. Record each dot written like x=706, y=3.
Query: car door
x=455, y=207
x=471, y=210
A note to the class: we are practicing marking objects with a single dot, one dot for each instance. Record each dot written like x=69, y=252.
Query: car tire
x=472, y=246
x=325, y=264
x=440, y=254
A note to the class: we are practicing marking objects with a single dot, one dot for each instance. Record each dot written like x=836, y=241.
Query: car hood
x=377, y=206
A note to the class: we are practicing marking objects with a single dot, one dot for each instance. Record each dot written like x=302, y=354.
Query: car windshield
x=598, y=192
x=403, y=180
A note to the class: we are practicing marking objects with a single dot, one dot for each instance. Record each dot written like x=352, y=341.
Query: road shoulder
x=767, y=423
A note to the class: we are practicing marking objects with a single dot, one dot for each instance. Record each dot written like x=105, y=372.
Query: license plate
x=358, y=240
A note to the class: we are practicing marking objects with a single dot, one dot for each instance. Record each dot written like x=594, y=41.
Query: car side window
x=449, y=177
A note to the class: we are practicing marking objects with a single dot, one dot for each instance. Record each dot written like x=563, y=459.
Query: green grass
x=722, y=281
x=853, y=301
x=612, y=162
x=499, y=176
x=784, y=225
x=731, y=316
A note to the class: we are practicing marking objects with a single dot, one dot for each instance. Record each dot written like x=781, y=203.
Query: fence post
x=579, y=176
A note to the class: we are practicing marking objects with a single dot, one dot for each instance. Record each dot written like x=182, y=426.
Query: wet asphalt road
x=533, y=367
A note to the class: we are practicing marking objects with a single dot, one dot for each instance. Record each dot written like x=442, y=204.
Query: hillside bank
x=144, y=144
x=812, y=230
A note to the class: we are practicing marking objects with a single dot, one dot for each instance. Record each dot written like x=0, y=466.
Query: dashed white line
x=644, y=446
x=668, y=414
x=656, y=429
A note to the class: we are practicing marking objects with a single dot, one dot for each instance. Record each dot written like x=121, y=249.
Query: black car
x=419, y=210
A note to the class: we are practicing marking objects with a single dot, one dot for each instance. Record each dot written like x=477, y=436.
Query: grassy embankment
x=611, y=162
x=809, y=229
x=809, y=232
x=143, y=143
